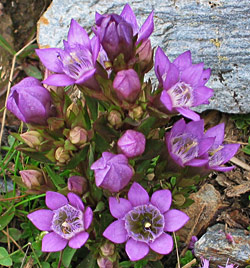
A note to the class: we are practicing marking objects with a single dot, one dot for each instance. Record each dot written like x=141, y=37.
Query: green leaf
x=45, y=265
x=68, y=254
x=89, y=262
x=56, y=179
x=93, y=107
x=125, y=264
x=77, y=158
x=5, y=259
x=33, y=71
x=99, y=207
x=146, y=125
x=13, y=232
x=246, y=149
x=101, y=144
x=4, y=44
x=6, y=217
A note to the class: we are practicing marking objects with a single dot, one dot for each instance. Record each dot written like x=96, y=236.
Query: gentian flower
x=112, y=171
x=186, y=143
x=77, y=185
x=205, y=264
x=29, y=101
x=143, y=223
x=127, y=85
x=183, y=83
x=132, y=143
x=219, y=153
x=66, y=220
x=76, y=63
x=32, y=178
x=116, y=32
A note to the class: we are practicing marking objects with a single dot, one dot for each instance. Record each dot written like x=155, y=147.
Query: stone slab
x=216, y=32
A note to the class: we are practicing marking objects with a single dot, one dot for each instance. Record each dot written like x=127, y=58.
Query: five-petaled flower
x=76, y=63
x=183, y=83
x=142, y=222
x=66, y=220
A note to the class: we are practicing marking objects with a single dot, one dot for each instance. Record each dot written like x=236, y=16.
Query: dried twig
x=177, y=252
x=188, y=265
x=13, y=240
x=9, y=85
x=240, y=163
x=12, y=198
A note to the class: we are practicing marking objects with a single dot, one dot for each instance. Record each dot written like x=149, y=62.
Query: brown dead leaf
x=238, y=190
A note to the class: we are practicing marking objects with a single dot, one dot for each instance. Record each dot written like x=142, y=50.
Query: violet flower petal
x=77, y=35
x=166, y=100
x=55, y=200
x=178, y=128
x=95, y=47
x=196, y=128
x=196, y=162
x=116, y=232
x=183, y=61
x=227, y=152
x=192, y=74
x=75, y=201
x=88, y=217
x=162, y=64
x=78, y=240
x=129, y=16
x=204, y=77
x=172, y=77
x=217, y=132
x=85, y=77
x=205, y=144
x=53, y=242
x=136, y=250
x=163, y=244
x=119, y=208
x=162, y=199
x=137, y=195
x=202, y=94
x=174, y=220
x=42, y=219
x=188, y=113
x=49, y=58
x=223, y=169
x=59, y=80
x=146, y=29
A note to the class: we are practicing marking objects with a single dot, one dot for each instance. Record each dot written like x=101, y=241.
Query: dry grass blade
x=9, y=85
x=240, y=163
x=177, y=252
x=13, y=240
x=188, y=265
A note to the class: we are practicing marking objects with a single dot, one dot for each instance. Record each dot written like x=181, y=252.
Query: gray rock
x=216, y=32
x=214, y=246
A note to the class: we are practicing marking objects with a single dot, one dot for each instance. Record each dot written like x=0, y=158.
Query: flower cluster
x=108, y=133
x=205, y=264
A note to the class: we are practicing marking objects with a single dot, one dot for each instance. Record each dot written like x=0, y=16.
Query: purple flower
x=205, y=264
x=66, y=220
x=127, y=85
x=76, y=64
x=187, y=144
x=116, y=32
x=77, y=184
x=132, y=143
x=29, y=101
x=112, y=171
x=219, y=153
x=143, y=223
x=183, y=83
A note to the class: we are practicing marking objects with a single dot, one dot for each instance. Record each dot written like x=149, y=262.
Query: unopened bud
x=136, y=113
x=77, y=185
x=104, y=263
x=115, y=118
x=78, y=136
x=32, y=138
x=61, y=155
x=72, y=108
x=55, y=123
x=32, y=178
x=108, y=249
x=145, y=53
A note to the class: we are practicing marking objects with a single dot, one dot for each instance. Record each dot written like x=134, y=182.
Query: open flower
x=132, y=143
x=76, y=63
x=116, y=32
x=66, y=220
x=219, y=153
x=112, y=171
x=183, y=83
x=187, y=144
x=143, y=223
x=205, y=264
x=29, y=101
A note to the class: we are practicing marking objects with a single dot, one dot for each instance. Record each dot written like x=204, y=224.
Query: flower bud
x=77, y=185
x=32, y=178
x=104, y=263
x=61, y=155
x=127, y=85
x=32, y=138
x=145, y=53
x=136, y=113
x=115, y=118
x=78, y=136
x=132, y=143
x=30, y=101
x=108, y=249
x=112, y=171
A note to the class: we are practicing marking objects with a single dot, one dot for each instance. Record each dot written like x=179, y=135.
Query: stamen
x=181, y=95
